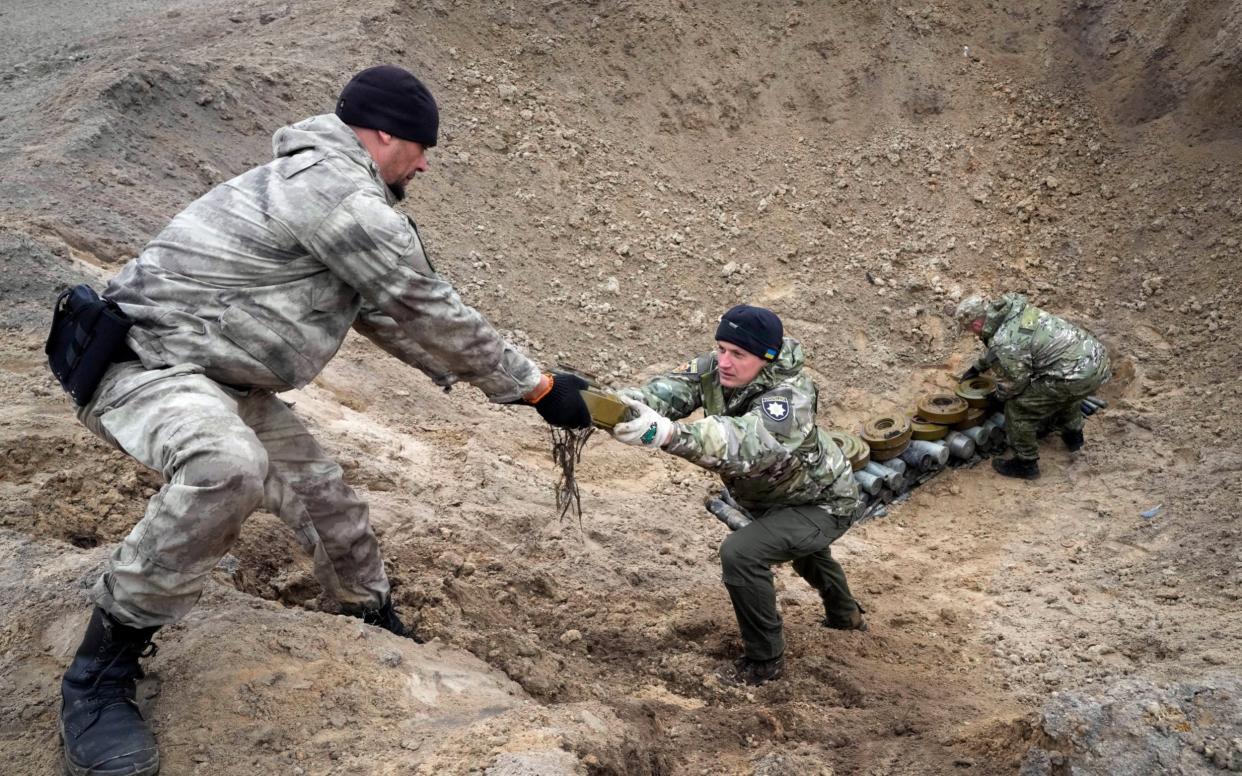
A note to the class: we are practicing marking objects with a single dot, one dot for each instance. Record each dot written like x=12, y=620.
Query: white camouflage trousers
x=223, y=453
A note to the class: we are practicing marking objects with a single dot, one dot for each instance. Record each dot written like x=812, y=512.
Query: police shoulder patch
x=775, y=408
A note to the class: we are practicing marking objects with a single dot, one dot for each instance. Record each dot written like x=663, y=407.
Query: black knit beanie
x=753, y=329
x=391, y=100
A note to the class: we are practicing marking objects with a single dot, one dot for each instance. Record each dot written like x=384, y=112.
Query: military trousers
x=1057, y=403
x=223, y=453
x=801, y=534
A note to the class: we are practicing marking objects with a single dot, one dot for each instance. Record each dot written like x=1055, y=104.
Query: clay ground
x=611, y=176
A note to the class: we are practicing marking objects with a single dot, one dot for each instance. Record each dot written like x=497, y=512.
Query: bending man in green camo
x=1044, y=367
x=759, y=434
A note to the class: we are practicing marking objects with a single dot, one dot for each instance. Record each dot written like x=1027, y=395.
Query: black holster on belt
x=87, y=336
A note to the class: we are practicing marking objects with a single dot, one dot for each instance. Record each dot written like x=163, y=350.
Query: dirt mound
x=296, y=690
x=1183, y=65
x=610, y=177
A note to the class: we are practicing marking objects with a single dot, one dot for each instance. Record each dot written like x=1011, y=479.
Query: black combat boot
x=1073, y=440
x=103, y=731
x=753, y=672
x=1022, y=468
x=854, y=622
x=386, y=617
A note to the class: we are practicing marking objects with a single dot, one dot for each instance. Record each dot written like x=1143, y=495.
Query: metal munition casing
x=731, y=516
x=977, y=390
x=606, y=409
x=942, y=408
x=960, y=445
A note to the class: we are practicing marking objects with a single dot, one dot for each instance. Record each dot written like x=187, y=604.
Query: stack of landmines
x=944, y=431
x=894, y=454
x=898, y=452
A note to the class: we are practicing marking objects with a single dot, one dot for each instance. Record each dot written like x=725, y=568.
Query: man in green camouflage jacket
x=1044, y=367
x=759, y=434
x=250, y=291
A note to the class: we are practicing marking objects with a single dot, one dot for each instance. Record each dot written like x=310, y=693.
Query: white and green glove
x=648, y=428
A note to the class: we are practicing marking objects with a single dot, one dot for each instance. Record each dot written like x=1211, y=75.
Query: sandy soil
x=611, y=176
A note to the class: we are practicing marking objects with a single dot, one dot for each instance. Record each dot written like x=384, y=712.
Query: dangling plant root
x=567, y=446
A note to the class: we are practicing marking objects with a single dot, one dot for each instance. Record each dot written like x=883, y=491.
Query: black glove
x=562, y=405
x=969, y=373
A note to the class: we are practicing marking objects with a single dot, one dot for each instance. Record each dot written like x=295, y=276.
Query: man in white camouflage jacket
x=759, y=433
x=250, y=291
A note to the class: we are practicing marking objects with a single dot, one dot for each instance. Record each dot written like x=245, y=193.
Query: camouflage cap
x=970, y=308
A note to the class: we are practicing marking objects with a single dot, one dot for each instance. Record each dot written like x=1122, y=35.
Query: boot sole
x=1015, y=475
x=860, y=627
x=150, y=768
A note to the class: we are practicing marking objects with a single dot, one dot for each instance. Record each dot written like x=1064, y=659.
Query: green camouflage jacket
x=1026, y=344
x=761, y=439
x=260, y=279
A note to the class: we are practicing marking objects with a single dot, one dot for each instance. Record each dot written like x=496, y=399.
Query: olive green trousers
x=800, y=534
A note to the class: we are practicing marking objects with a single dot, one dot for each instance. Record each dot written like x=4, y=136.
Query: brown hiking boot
x=1022, y=468
x=752, y=672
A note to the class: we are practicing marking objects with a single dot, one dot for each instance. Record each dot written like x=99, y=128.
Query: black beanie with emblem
x=756, y=330
x=392, y=100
